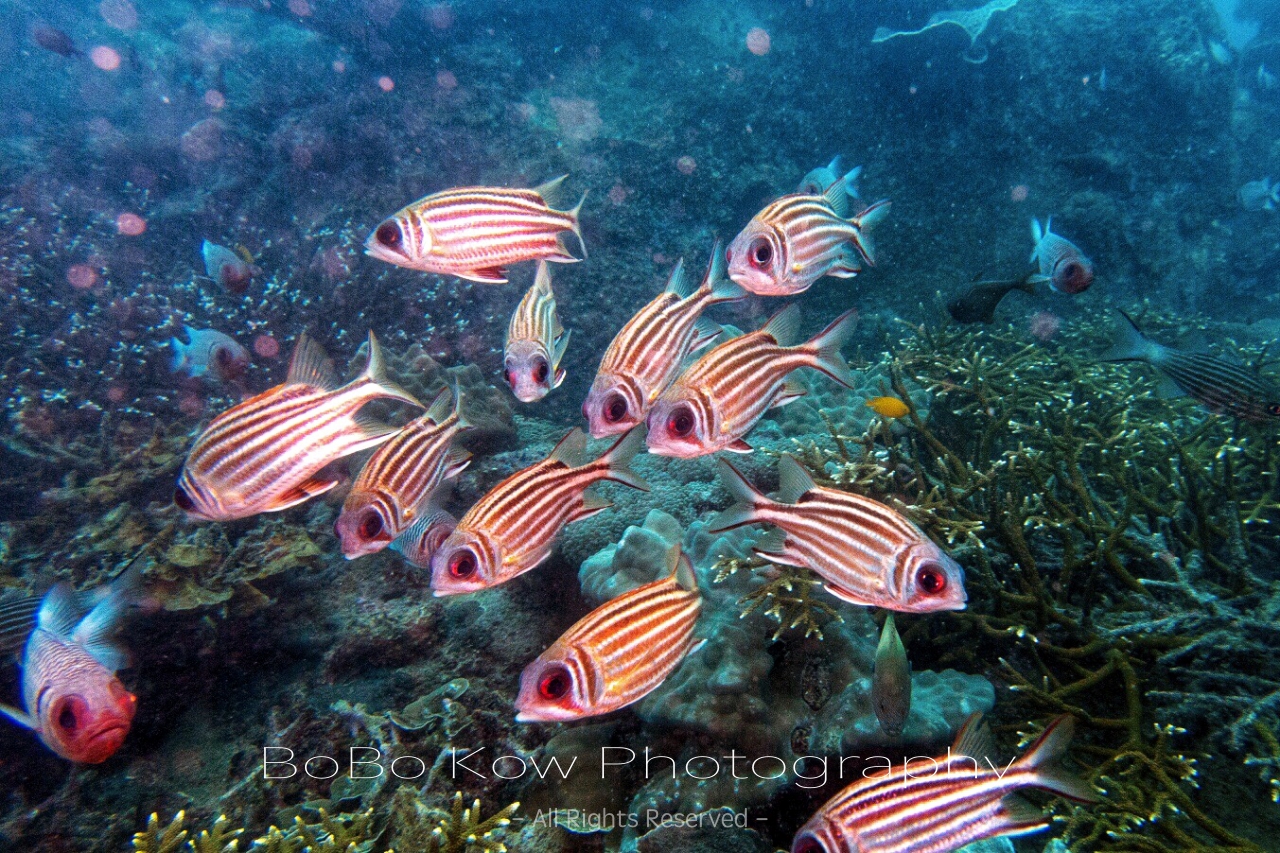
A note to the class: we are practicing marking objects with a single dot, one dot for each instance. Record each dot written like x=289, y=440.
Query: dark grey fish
x=978, y=303
x=17, y=618
x=1221, y=386
x=55, y=40
x=891, y=681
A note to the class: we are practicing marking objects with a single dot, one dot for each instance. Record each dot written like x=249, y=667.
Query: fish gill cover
x=187, y=188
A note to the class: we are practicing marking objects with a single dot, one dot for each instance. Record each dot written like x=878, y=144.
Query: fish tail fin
x=1037, y=234
x=179, y=354
x=1129, y=344
x=576, y=226
x=866, y=221
x=1043, y=757
x=826, y=348
x=747, y=500
x=793, y=480
x=618, y=459
x=376, y=373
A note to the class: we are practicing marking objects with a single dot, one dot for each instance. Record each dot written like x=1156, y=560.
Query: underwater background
x=1119, y=545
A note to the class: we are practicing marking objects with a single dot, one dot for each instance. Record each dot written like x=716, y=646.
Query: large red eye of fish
x=931, y=579
x=1274, y=409
x=680, y=422
x=615, y=408
x=541, y=370
x=463, y=565
x=1074, y=277
x=388, y=234
x=554, y=684
x=760, y=254
x=510, y=376
x=370, y=525
x=808, y=845
x=183, y=500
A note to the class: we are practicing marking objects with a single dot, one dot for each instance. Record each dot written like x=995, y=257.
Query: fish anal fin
x=485, y=275
x=455, y=462
x=591, y=504
x=739, y=446
x=788, y=393
x=1018, y=816
x=298, y=494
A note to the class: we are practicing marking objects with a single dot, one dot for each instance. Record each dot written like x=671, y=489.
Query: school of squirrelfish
x=672, y=381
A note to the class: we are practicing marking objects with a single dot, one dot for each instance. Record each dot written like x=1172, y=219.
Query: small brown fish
x=978, y=303
x=229, y=269
x=891, y=681
x=477, y=232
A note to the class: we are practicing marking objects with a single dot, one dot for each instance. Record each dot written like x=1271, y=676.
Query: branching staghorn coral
x=458, y=831
x=787, y=595
x=333, y=834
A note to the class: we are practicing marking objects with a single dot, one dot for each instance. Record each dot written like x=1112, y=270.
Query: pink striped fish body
x=942, y=804
x=477, y=232
x=645, y=356
x=535, y=342
x=422, y=538
x=399, y=478
x=724, y=394
x=513, y=528
x=867, y=553
x=616, y=654
x=799, y=238
x=266, y=454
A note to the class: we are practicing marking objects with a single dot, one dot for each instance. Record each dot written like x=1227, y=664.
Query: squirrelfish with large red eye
x=73, y=699
x=801, y=237
x=208, y=353
x=616, y=654
x=425, y=536
x=646, y=355
x=725, y=393
x=513, y=527
x=477, y=232
x=400, y=476
x=1061, y=261
x=268, y=453
x=941, y=804
x=535, y=342
x=867, y=553
x=230, y=269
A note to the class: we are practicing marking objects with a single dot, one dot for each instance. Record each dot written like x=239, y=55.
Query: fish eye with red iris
x=370, y=525
x=541, y=371
x=680, y=423
x=510, y=376
x=808, y=845
x=931, y=579
x=615, y=408
x=554, y=684
x=388, y=234
x=761, y=254
x=463, y=565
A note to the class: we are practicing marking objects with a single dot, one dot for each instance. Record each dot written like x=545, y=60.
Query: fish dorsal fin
x=974, y=740
x=375, y=371
x=784, y=327
x=570, y=450
x=552, y=191
x=60, y=611
x=562, y=344
x=95, y=633
x=441, y=407
x=715, y=272
x=837, y=195
x=683, y=572
x=311, y=365
x=678, y=282
x=17, y=618
x=793, y=480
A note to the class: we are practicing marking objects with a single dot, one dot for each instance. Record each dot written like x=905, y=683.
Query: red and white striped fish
x=725, y=393
x=535, y=342
x=513, y=528
x=616, y=654
x=477, y=232
x=647, y=353
x=1067, y=269
x=941, y=804
x=867, y=553
x=422, y=538
x=799, y=238
x=74, y=700
x=400, y=476
x=266, y=454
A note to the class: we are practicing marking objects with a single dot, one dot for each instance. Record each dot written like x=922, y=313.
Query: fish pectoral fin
x=485, y=275
x=739, y=446
x=22, y=718
x=304, y=492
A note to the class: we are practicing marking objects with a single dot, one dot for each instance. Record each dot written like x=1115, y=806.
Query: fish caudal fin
x=793, y=480
x=1129, y=344
x=715, y=286
x=619, y=457
x=747, y=500
x=576, y=226
x=376, y=372
x=1043, y=756
x=826, y=348
x=784, y=326
x=865, y=222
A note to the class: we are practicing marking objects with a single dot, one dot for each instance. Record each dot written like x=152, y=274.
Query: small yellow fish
x=890, y=407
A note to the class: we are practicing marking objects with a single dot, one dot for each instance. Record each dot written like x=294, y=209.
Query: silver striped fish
x=725, y=393
x=514, y=526
x=646, y=354
x=867, y=553
x=616, y=654
x=477, y=232
x=422, y=538
x=1066, y=268
x=799, y=238
x=266, y=454
x=535, y=342
x=944, y=803
x=1219, y=385
x=400, y=476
